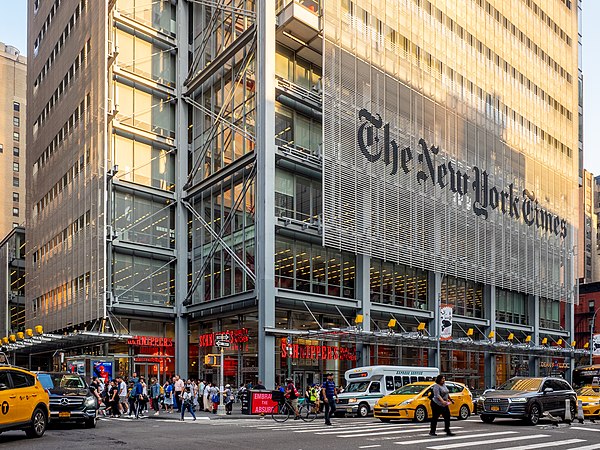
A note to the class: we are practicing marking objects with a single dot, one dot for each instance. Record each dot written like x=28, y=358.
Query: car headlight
x=406, y=402
x=518, y=400
x=90, y=401
x=482, y=398
x=353, y=400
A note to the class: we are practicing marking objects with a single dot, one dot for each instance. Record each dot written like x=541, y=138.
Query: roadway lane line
x=362, y=430
x=585, y=429
x=434, y=439
x=587, y=447
x=544, y=444
x=378, y=433
x=370, y=446
x=491, y=441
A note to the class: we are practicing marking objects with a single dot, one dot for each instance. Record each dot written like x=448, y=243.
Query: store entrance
x=148, y=371
x=304, y=378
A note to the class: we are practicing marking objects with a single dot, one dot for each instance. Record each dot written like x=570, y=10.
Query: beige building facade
x=13, y=90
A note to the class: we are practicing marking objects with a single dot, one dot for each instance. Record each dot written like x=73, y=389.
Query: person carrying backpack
x=291, y=393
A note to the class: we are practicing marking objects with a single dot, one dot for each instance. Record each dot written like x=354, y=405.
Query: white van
x=366, y=385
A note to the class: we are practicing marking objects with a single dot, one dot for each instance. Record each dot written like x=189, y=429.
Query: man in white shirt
x=123, y=403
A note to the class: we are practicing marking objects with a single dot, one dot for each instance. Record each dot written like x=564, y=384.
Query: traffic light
x=211, y=360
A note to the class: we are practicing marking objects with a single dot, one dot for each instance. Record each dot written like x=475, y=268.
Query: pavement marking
x=377, y=432
x=434, y=439
x=367, y=429
x=488, y=442
x=585, y=429
x=587, y=447
x=389, y=438
x=544, y=444
x=369, y=446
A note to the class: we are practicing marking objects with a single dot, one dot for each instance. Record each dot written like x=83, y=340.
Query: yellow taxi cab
x=24, y=403
x=412, y=402
x=590, y=400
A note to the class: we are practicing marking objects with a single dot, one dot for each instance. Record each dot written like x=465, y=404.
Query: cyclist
x=291, y=393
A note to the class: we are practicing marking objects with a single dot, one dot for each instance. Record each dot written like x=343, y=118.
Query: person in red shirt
x=291, y=393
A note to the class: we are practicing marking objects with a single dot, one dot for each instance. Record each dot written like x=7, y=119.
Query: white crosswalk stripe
x=486, y=443
x=362, y=433
x=544, y=444
x=375, y=428
x=435, y=439
x=586, y=447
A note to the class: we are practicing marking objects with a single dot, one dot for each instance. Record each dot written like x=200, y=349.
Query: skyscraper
x=328, y=183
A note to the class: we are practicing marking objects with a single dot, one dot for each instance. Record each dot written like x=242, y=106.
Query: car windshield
x=64, y=381
x=409, y=389
x=361, y=386
x=521, y=384
x=587, y=390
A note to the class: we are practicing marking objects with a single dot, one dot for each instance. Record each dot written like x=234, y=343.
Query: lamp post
x=592, y=336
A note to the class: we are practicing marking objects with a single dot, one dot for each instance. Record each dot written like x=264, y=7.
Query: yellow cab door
x=455, y=397
x=8, y=400
x=24, y=394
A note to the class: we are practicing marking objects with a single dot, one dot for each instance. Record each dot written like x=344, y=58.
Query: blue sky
x=13, y=31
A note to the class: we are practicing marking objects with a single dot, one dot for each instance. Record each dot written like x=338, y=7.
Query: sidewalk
x=235, y=414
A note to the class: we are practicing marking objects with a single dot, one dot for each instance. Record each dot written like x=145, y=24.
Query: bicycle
x=282, y=412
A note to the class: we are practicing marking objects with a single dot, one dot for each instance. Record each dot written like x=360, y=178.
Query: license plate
x=495, y=408
x=384, y=411
x=64, y=414
x=349, y=410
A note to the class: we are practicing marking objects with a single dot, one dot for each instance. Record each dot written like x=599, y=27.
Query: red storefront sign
x=150, y=341
x=235, y=337
x=261, y=403
x=301, y=351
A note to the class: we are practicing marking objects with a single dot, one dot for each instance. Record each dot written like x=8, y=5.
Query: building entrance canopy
x=47, y=342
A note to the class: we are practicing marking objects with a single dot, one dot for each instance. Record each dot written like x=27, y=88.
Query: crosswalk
x=369, y=434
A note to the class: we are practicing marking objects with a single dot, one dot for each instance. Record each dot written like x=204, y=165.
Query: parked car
x=412, y=402
x=527, y=398
x=70, y=398
x=590, y=401
x=23, y=402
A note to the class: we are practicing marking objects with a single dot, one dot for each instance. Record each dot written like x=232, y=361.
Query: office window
x=15, y=182
x=16, y=136
x=1, y=149
x=15, y=167
x=15, y=196
x=15, y=224
x=16, y=212
x=16, y=121
x=16, y=106
x=16, y=151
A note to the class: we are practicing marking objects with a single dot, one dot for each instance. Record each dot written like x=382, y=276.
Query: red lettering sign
x=150, y=341
x=235, y=337
x=323, y=352
x=261, y=403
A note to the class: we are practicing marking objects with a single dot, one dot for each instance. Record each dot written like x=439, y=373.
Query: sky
x=13, y=31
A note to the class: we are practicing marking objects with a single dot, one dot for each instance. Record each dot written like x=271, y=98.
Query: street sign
x=222, y=337
x=222, y=344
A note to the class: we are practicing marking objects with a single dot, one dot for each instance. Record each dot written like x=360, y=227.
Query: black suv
x=527, y=398
x=70, y=398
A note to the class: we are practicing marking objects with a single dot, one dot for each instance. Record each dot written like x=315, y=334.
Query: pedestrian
x=131, y=399
x=134, y=378
x=328, y=395
x=137, y=395
x=144, y=398
x=206, y=397
x=291, y=393
x=214, y=398
x=229, y=398
x=122, y=395
x=440, y=402
x=187, y=401
x=168, y=387
x=113, y=399
x=178, y=388
x=201, y=387
x=259, y=385
x=155, y=396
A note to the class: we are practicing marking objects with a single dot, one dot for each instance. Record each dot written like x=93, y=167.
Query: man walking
x=328, y=394
x=122, y=395
x=179, y=387
x=155, y=396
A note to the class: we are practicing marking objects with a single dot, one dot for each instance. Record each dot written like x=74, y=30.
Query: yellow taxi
x=24, y=403
x=590, y=400
x=412, y=402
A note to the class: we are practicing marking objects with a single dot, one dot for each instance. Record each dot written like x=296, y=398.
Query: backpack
x=162, y=391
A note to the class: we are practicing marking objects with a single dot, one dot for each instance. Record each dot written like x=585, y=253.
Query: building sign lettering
x=150, y=341
x=300, y=351
x=235, y=337
x=374, y=141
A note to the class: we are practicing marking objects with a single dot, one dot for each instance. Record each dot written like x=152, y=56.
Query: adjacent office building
x=13, y=91
x=588, y=229
x=330, y=183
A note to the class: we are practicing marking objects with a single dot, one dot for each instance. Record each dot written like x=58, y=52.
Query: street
x=165, y=432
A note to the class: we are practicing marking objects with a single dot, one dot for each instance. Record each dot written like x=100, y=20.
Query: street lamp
x=592, y=336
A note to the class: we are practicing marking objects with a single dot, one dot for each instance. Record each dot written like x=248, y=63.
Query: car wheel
x=385, y=420
x=363, y=410
x=39, y=422
x=420, y=414
x=533, y=417
x=464, y=413
x=90, y=423
x=486, y=418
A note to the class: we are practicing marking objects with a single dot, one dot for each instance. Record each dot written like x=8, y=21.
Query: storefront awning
x=48, y=342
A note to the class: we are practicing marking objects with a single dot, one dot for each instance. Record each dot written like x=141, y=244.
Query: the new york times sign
x=375, y=143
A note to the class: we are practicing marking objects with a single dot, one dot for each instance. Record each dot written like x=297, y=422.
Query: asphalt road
x=164, y=433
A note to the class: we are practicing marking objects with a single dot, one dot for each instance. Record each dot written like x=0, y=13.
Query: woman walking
x=187, y=400
x=168, y=388
x=440, y=402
